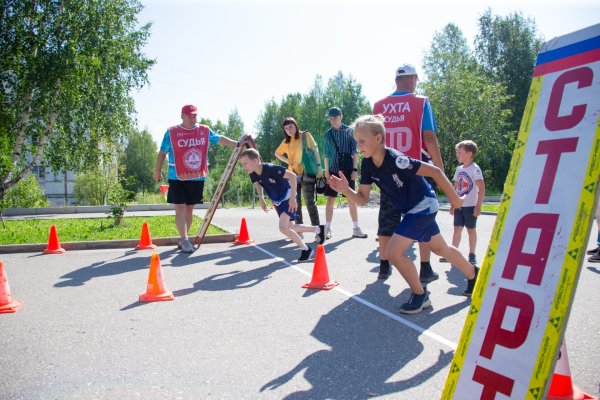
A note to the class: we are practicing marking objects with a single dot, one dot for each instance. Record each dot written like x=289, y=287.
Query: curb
x=110, y=244
x=10, y=212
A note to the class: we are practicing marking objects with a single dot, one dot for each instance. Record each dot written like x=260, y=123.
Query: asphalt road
x=241, y=326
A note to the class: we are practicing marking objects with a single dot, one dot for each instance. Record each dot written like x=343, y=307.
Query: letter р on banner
x=523, y=296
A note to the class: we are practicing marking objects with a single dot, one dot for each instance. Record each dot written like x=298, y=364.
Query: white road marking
x=372, y=306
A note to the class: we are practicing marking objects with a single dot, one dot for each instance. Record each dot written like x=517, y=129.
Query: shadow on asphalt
x=105, y=268
x=594, y=269
x=367, y=349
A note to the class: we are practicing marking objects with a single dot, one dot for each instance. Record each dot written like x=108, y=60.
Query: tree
x=66, y=71
x=467, y=105
x=139, y=160
x=506, y=48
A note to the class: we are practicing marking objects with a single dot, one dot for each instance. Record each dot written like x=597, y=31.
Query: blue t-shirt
x=398, y=180
x=165, y=146
x=273, y=182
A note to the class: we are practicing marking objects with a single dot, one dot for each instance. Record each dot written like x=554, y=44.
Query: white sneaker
x=186, y=246
x=357, y=233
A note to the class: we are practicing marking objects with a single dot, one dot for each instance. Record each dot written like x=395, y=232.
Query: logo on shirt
x=192, y=159
x=399, y=183
x=402, y=162
x=272, y=180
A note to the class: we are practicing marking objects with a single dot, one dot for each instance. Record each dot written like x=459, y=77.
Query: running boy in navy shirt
x=280, y=185
x=400, y=178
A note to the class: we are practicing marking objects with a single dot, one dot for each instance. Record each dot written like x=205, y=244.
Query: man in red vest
x=187, y=147
x=410, y=128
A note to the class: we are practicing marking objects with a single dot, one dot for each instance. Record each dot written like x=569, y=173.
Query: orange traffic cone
x=7, y=304
x=243, y=237
x=145, y=241
x=53, y=243
x=562, y=387
x=156, y=289
x=320, y=275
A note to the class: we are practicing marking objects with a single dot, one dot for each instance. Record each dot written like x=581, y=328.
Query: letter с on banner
x=524, y=291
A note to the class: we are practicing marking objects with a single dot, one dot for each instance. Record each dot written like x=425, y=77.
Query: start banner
x=526, y=285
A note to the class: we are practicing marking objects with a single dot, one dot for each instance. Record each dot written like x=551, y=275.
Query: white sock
x=328, y=225
x=355, y=224
x=305, y=248
x=317, y=229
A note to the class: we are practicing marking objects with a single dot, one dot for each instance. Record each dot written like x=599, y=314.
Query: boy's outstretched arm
x=442, y=182
x=261, y=197
x=291, y=177
x=340, y=185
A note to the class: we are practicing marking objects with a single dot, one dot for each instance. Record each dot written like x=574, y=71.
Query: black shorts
x=329, y=192
x=185, y=192
x=464, y=217
x=389, y=217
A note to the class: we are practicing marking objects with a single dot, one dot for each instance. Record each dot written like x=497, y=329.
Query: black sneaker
x=306, y=255
x=472, y=258
x=321, y=234
x=593, y=251
x=416, y=303
x=471, y=284
x=426, y=275
x=384, y=271
x=594, y=258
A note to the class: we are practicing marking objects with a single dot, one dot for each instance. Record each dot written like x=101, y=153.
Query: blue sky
x=223, y=55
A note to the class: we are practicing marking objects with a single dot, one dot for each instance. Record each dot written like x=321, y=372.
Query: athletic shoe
x=306, y=255
x=384, y=271
x=471, y=284
x=416, y=303
x=357, y=233
x=427, y=276
x=594, y=258
x=442, y=259
x=321, y=234
x=593, y=251
x=328, y=234
x=186, y=246
x=472, y=258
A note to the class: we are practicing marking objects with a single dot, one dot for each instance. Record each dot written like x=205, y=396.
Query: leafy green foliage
x=310, y=111
x=66, y=69
x=92, y=188
x=28, y=193
x=117, y=199
x=139, y=160
x=468, y=104
x=506, y=48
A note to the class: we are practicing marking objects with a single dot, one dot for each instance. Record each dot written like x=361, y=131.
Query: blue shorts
x=283, y=208
x=464, y=217
x=419, y=227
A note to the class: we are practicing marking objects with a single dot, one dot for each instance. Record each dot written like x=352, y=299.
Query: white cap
x=405, y=70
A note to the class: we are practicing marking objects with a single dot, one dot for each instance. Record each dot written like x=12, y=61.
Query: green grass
x=490, y=208
x=92, y=229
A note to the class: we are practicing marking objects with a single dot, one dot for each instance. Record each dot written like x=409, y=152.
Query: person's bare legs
x=183, y=219
x=396, y=249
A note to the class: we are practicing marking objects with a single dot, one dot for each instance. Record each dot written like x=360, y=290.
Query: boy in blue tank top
x=280, y=185
x=401, y=180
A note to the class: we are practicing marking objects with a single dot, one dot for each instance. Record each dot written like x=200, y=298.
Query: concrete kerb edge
x=111, y=244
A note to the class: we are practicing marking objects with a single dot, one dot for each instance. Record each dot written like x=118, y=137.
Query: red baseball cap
x=189, y=110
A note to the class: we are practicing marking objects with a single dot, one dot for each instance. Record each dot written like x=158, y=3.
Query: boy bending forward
x=400, y=178
x=280, y=185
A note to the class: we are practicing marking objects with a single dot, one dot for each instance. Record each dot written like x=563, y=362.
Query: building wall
x=54, y=185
